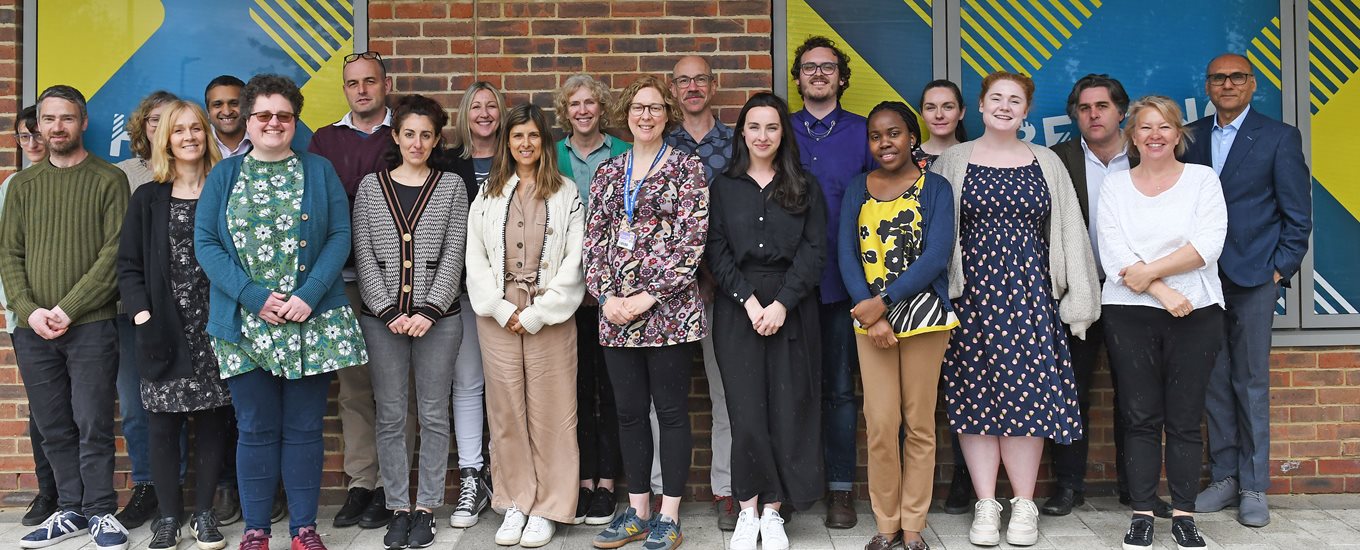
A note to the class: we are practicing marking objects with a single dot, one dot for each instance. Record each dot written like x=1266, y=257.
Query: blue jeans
x=130, y=403
x=839, y=417
x=280, y=425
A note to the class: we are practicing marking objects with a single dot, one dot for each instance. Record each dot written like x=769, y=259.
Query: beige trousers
x=531, y=407
x=900, y=387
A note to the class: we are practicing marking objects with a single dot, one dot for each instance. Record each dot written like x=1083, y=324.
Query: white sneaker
x=1023, y=530
x=772, y=536
x=986, y=529
x=512, y=528
x=747, y=531
x=538, y=532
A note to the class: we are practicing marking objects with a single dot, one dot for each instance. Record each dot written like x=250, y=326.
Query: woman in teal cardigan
x=272, y=232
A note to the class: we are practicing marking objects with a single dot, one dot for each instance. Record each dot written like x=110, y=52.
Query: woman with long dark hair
x=766, y=248
x=409, y=224
x=525, y=283
x=942, y=109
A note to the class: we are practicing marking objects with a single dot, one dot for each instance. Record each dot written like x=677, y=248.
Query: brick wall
x=528, y=48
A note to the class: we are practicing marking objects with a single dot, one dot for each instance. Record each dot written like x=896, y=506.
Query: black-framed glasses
x=370, y=54
x=810, y=69
x=25, y=137
x=655, y=109
x=1217, y=79
x=703, y=80
x=263, y=117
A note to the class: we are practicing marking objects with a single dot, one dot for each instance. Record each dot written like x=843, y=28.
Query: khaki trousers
x=900, y=387
x=531, y=408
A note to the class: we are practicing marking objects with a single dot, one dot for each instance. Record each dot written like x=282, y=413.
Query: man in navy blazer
x=1267, y=189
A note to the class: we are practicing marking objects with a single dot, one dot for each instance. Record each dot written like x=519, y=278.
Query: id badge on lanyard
x=627, y=238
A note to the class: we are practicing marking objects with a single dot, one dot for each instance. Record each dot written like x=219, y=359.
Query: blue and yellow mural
x=117, y=51
x=1152, y=48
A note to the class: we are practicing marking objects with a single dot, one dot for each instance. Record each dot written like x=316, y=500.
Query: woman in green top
x=272, y=233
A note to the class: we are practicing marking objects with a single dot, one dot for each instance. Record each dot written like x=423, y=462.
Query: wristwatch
x=887, y=300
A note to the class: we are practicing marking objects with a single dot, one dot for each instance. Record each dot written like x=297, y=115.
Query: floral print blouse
x=669, y=229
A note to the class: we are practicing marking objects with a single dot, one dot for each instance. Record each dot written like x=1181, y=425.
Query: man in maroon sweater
x=355, y=145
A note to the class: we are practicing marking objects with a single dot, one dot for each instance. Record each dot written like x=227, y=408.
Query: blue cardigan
x=937, y=231
x=324, y=227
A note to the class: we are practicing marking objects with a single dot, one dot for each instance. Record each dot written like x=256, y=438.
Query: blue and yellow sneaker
x=626, y=527
x=665, y=534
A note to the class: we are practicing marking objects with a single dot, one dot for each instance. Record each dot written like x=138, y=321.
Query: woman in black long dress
x=766, y=250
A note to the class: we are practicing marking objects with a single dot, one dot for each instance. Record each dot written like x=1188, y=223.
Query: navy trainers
x=61, y=525
x=626, y=527
x=108, y=533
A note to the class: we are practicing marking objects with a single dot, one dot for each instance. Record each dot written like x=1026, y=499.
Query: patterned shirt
x=714, y=150
x=669, y=230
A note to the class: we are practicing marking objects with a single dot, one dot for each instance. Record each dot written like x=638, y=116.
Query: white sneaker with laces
x=1023, y=530
x=772, y=535
x=512, y=529
x=747, y=531
x=986, y=529
x=538, y=532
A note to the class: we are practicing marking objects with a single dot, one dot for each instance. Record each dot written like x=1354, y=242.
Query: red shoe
x=307, y=539
x=255, y=539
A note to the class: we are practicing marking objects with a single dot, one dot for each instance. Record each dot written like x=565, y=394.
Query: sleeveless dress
x=1008, y=370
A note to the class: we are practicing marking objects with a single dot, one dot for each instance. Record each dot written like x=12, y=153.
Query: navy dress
x=1008, y=370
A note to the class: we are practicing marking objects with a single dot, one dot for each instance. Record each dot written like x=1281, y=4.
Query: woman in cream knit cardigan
x=1022, y=267
x=525, y=234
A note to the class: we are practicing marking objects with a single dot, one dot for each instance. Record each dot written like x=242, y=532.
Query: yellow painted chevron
x=1334, y=49
x=867, y=87
x=1264, y=52
x=1018, y=36
x=118, y=27
x=310, y=38
x=1334, y=55
x=922, y=9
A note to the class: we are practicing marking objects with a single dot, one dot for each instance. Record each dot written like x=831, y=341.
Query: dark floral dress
x=205, y=389
x=1008, y=370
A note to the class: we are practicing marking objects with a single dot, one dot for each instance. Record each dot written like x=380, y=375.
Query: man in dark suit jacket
x=1267, y=189
x=1097, y=104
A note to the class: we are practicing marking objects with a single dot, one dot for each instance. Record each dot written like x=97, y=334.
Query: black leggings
x=644, y=377
x=1163, y=364
x=210, y=433
x=597, y=419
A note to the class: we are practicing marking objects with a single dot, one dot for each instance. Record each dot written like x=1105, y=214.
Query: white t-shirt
x=1135, y=227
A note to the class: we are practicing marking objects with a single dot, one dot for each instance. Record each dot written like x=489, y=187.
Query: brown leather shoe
x=840, y=510
x=880, y=542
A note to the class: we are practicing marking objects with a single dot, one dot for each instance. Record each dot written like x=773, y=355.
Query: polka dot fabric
x=1008, y=370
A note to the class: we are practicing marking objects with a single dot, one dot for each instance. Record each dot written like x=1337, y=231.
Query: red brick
x=719, y=26
x=430, y=46
x=743, y=7
x=1312, y=449
x=422, y=10
x=636, y=45
x=583, y=45
x=664, y=26
x=529, y=46
x=557, y=26
x=1295, y=468
x=379, y=11
x=598, y=27
x=1293, y=360
x=1329, y=377
x=1293, y=396
x=1293, y=432
x=743, y=80
x=759, y=62
x=1318, y=484
x=488, y=46
x=462, y=10
x=744, y=43
x=1315, y=414
x=557, y=63
x=583, y=9
x=1333, y=396
x=531, y=81
x=704, y=8
x=502, y=64
x=686, y=45
x=1339, y=360
x=488, y=9
x=759, y=25
x=394, y=28
x=446, y=65
x=503, y=27
x=637, y=8
x=531, y=9
x=611, y=63
x=462, y=46
x=447, y=29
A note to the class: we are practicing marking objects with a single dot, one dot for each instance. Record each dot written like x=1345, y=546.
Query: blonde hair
x=462, y=130
x=562, y=98
x=620, y=110
x=139, y=141
x=162, y=160
x=1164, y=106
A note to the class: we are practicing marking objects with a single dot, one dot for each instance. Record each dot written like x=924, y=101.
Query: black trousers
x=1070, y=461
x=597, y=417
x=47, y=483
x=70, y=384
x=209, y=442
x=1163, y=364
x=657, y=376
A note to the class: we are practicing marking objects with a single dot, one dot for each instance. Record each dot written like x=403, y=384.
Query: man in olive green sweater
x=58, y=247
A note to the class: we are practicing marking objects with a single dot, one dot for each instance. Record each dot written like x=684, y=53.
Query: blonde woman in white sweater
x=525, y=282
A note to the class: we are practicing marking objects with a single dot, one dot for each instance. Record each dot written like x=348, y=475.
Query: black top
x=408, y=195
x=750, y=233
x=144, y=285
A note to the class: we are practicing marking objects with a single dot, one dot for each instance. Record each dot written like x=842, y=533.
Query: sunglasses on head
x=370, y=54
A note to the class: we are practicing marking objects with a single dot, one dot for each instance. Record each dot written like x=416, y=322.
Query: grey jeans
x=394, y=361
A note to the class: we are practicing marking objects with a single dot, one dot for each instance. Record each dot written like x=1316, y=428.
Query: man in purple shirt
x=834, y=147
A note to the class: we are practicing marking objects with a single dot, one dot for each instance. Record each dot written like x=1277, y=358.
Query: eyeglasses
x=1217, y=79
x=25, y=138
x=155, y=120
x=810, y=69
x=655, y=109
x=263, y=117
x=370, y=54
x=702, y=80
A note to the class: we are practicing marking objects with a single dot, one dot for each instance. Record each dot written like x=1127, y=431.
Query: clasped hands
x=1142, y=278
x=622, y=311
x=280, y=308
x=871, y=314
x=765, y=320
x=49, y=323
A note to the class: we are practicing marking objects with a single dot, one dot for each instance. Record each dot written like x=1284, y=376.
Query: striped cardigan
x=410, y=266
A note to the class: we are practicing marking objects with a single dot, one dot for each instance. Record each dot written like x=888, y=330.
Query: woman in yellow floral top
x=645, y=236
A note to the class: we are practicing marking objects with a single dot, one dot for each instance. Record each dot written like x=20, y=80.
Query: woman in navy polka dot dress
x=1008, y=373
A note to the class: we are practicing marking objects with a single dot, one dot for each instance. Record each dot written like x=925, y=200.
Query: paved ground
x=1299, y=522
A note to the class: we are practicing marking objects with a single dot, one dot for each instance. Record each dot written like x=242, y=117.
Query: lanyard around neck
x=630, y=192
